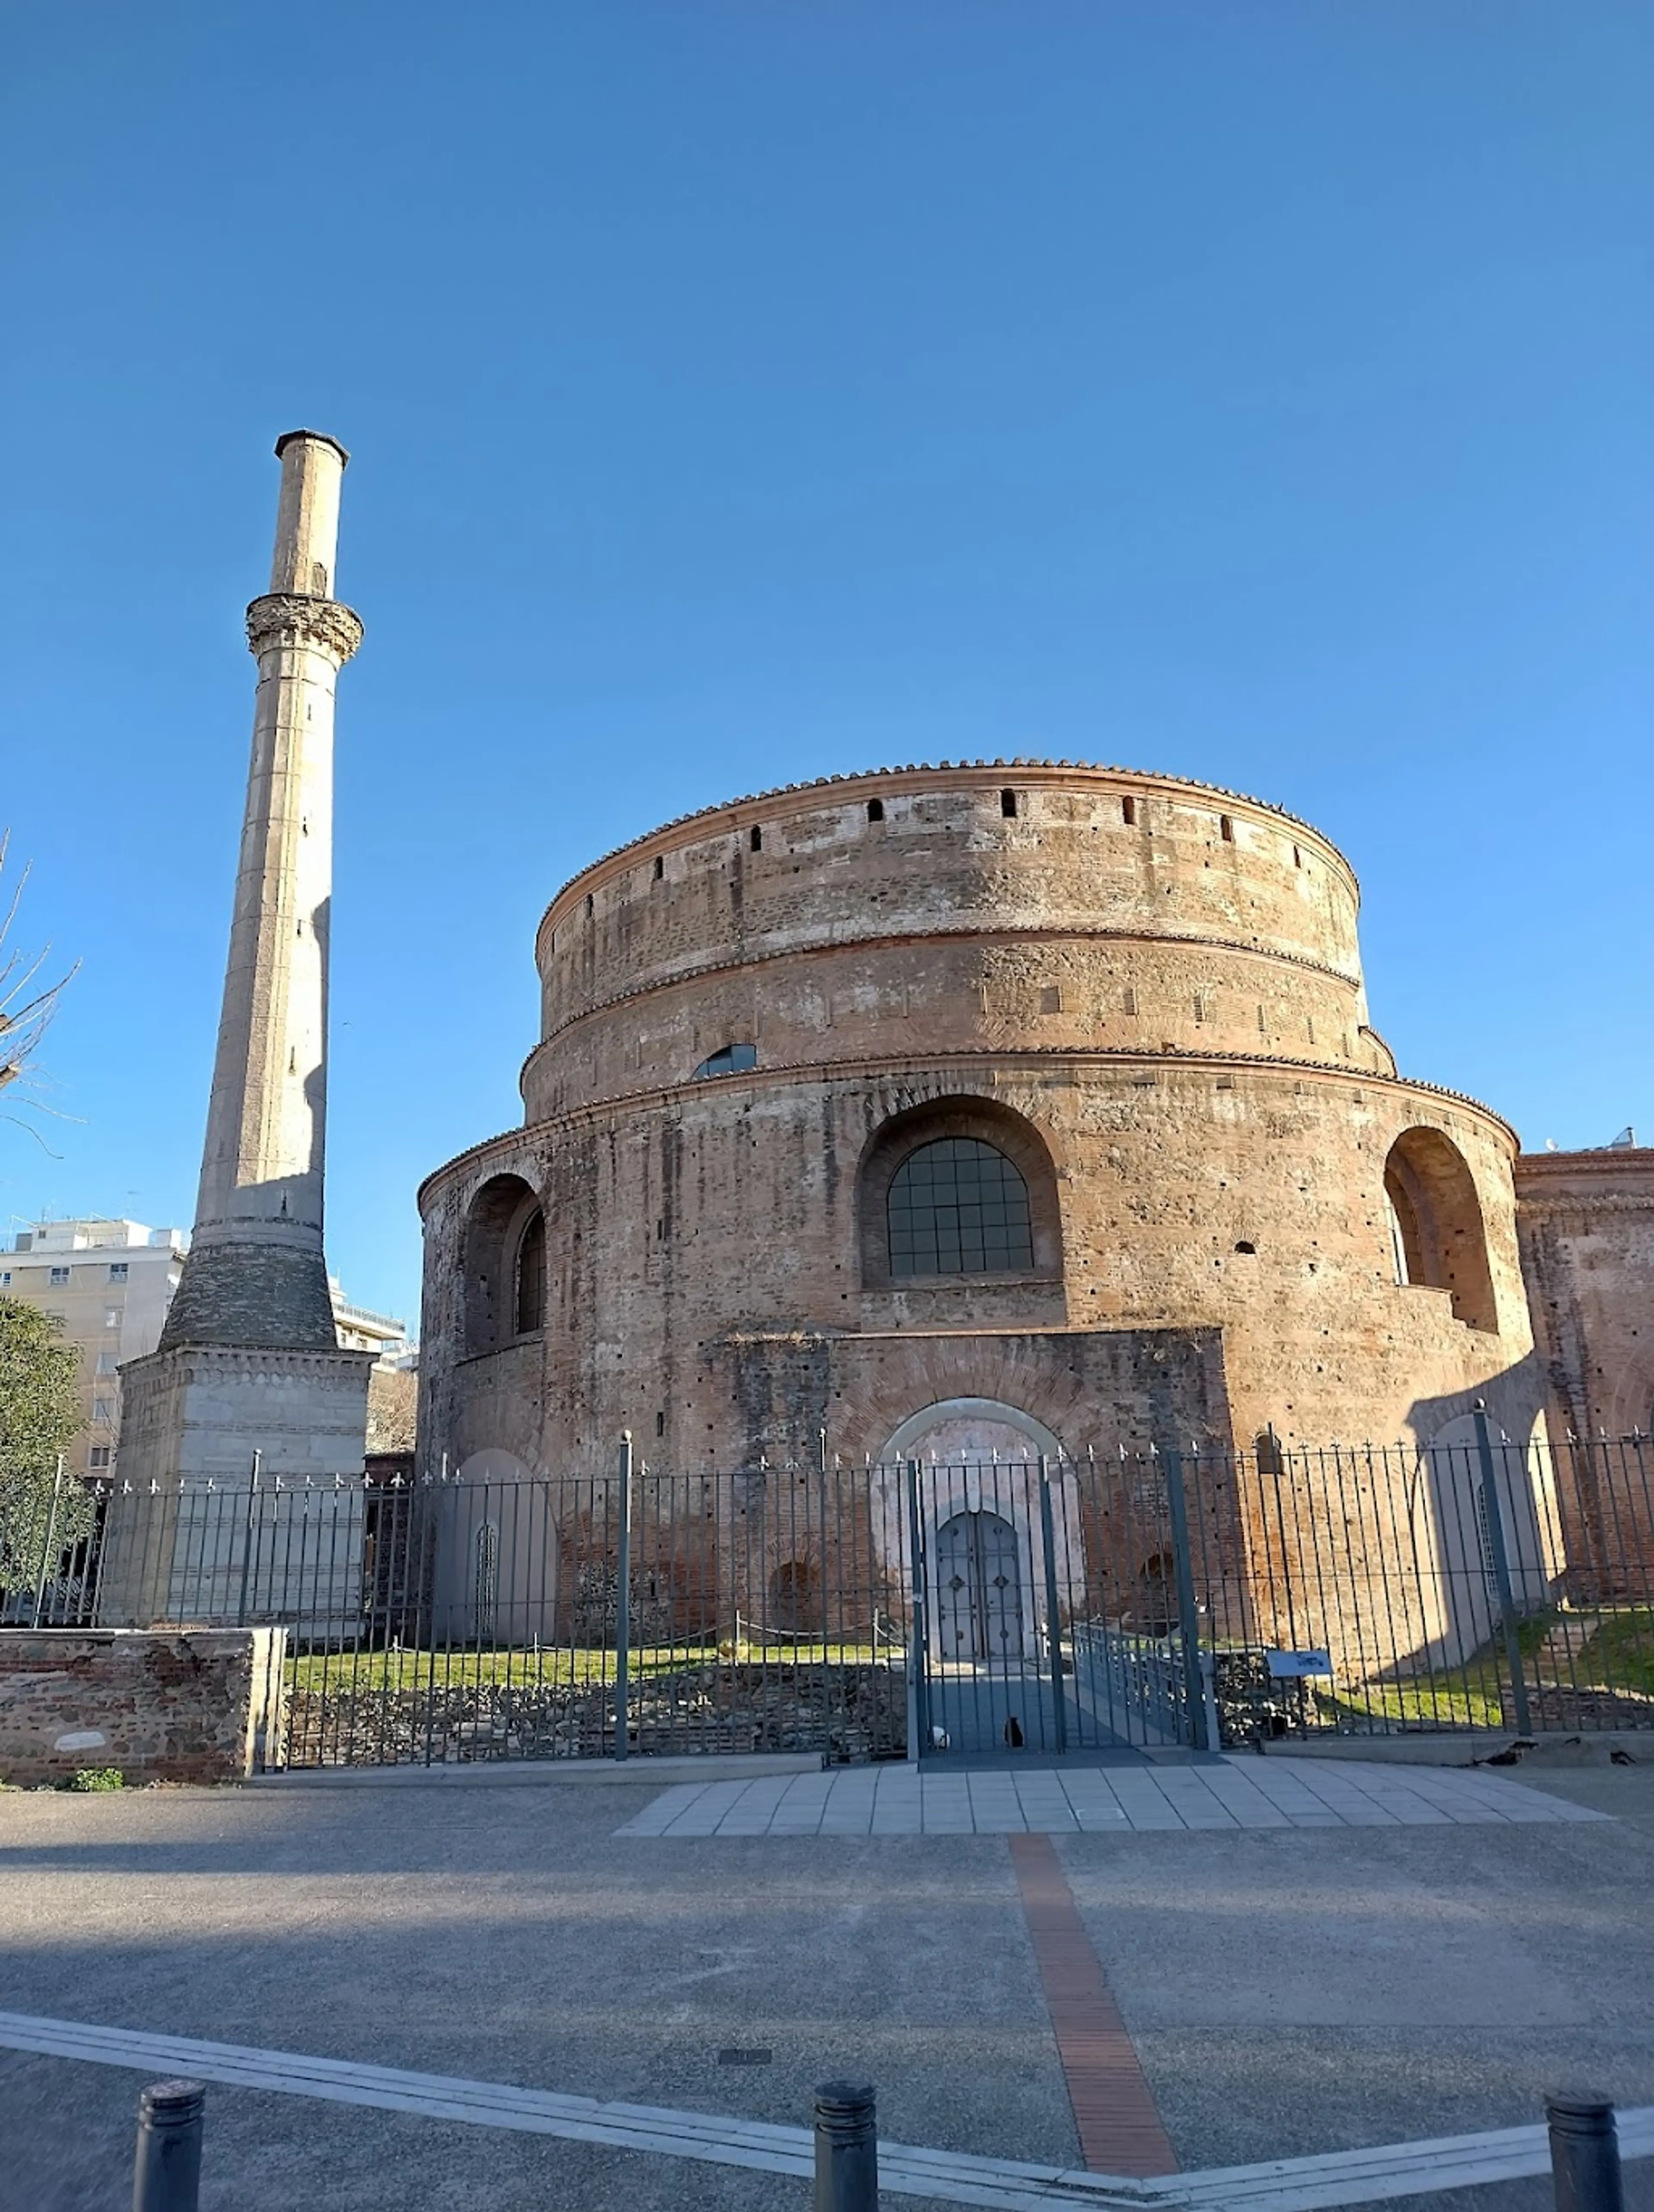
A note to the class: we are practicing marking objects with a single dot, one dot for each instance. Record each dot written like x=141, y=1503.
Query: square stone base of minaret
x=189, y=1532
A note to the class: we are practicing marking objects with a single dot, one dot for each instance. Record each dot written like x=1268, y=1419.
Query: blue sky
x=745, y=390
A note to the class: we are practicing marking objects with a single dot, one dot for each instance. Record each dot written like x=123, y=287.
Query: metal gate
x=1051, y=1608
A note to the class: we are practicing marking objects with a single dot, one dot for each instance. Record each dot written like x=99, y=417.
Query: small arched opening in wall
x=955, y=1190
x=486, y=1563
x=795, y=1603
x=504, y=1265
x=1156, y=1595
x=1438, y=1239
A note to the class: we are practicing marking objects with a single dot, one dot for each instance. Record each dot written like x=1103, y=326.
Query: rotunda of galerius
x=1003, y=1107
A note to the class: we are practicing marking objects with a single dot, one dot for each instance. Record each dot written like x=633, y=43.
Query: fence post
x=51, y=1531
x=1053, y=1630
x=623, y=1606
x=847, y=2148
x=1194, y=1695
x=1494, y=1515
x=918, y=1702
x=1584, y=2155
x=166, y=2173
x=247, y=1538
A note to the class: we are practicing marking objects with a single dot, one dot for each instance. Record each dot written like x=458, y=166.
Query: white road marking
x=1291, y=2184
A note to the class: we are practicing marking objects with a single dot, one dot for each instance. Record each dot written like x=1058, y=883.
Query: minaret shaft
x=255, y=1272
x=261, y=1169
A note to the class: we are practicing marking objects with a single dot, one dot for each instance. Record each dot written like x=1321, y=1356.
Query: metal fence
x=987, y=1607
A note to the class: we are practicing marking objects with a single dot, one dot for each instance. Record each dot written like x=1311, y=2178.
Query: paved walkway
x=1250, y=1792
x=482, y=1992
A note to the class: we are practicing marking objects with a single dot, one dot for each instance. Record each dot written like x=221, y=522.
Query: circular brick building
x=998, y=1107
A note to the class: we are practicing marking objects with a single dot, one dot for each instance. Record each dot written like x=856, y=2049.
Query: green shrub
x=96, y=1778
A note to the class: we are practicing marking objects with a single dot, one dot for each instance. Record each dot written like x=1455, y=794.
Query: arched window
x=730, y=1060
x=959, y=1208
x=505, y=1264
x=961, y=1186
x=530, y=1301
x=1437, y=1240
x=485, y=1583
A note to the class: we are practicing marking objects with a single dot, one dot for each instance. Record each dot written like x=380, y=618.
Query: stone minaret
x=256, y=1274
x=249, y=1369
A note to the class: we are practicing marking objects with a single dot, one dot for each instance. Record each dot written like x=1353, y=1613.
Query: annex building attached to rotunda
x=998, y=1107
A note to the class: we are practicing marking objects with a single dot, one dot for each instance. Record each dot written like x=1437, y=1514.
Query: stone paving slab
x=1275, y=1792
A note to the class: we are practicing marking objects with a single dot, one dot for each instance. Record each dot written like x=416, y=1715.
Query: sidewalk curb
x=1466, y=1747
x=654, y=1773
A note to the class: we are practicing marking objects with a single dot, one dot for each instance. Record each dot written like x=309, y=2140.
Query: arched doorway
x=1467, y=1526
x=979, y=1462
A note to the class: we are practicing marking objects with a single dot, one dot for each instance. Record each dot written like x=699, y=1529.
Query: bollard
x=847, y=2148
x=167, y=2174
x=1584, y=2155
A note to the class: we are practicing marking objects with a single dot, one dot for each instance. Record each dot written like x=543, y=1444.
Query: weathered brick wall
x=1066, y=926
x=172, y=1705
x=1587, y=1229
x=1586, y=1221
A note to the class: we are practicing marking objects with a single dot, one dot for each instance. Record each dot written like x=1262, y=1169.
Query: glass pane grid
x=958, y=1207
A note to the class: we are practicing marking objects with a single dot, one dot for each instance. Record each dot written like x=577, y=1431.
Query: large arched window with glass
x=958, y=1206
x=957, y=1189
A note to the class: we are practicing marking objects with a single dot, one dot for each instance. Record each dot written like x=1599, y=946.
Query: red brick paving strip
x=1120, y=2131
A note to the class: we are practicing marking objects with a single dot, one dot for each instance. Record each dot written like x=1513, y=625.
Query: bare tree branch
x=21, y=1027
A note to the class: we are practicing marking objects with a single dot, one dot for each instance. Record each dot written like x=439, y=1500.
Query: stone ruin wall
x=196, y=1706
x=1586, y=1221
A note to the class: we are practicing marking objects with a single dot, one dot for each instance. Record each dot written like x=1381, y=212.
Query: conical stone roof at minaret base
x=252, y=1295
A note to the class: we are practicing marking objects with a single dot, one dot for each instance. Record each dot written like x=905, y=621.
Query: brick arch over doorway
x=955, y=1418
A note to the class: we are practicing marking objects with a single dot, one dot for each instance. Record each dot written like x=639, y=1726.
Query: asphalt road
x=1288, y=1991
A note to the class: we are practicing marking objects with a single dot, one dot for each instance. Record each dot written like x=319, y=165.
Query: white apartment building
x=110, y=1283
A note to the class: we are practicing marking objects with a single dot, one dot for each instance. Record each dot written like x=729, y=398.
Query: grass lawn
x=347, y=1672
x=1617, y=1656
x=1621, y=1655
